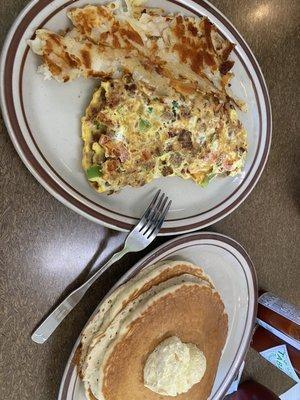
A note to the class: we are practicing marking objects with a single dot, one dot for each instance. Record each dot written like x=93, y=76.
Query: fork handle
x=48, y=326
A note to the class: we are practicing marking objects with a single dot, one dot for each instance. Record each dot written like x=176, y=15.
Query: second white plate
x=234, y=277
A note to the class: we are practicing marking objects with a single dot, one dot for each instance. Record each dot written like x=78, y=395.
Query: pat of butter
x=174, y=367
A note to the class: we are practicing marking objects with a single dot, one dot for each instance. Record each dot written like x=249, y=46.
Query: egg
x=132, y=136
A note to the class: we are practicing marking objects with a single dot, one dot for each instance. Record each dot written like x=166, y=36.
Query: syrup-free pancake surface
x=143, y=281
x=96, y=356
x=148, y=279
x=192, y=312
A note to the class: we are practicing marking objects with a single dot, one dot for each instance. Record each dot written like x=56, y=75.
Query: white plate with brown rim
x=43, y=120
x=234, y=277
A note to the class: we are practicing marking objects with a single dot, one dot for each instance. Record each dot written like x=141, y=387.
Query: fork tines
x=155, y=214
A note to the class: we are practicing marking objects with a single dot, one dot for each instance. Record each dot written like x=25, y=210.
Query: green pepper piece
x=207, y=179
x=144, y=125
x=99, y=126
x=175, y=106
x=93, y=172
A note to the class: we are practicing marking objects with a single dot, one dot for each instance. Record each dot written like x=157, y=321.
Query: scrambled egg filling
x=131, y=136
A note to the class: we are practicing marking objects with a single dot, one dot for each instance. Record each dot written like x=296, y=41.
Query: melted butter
x=174, y=367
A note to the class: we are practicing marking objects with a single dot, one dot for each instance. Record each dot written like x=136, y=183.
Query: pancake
x=192, y=312
x=146, y=281
x=143, y=281
x=92, y=328
x=97, y=352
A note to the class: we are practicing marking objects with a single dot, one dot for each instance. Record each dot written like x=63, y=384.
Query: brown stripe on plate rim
x=78, y=204
x=172, y=244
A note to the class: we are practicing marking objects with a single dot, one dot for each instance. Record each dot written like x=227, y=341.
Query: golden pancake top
x=193, y=313
x=148, y=279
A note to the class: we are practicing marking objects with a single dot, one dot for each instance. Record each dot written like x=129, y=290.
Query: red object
x=251, y=390
x=263, y=340
x=279, y=314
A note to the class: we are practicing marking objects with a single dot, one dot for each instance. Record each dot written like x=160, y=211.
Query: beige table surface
x=46, y=248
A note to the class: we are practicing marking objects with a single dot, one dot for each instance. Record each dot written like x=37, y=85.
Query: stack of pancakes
x=171, y=298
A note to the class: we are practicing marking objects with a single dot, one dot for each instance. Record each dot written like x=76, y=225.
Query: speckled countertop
x=45, y=248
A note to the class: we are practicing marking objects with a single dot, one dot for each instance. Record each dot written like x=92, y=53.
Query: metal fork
x=138, y=239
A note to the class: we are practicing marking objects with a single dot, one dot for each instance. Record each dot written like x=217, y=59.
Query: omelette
x=163, y=106
x=131, y=136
